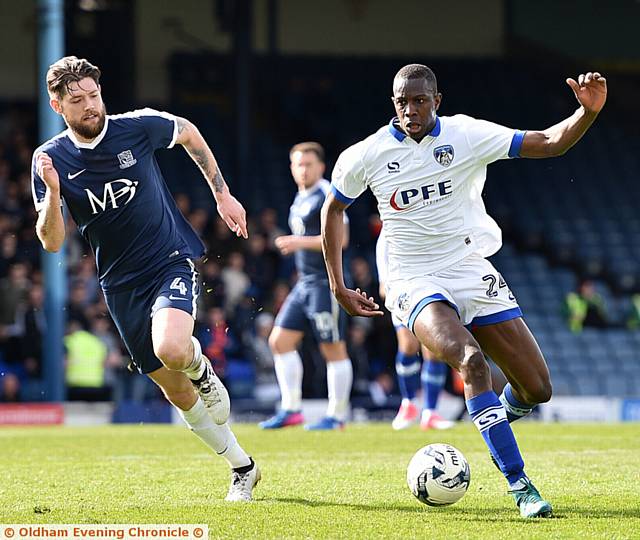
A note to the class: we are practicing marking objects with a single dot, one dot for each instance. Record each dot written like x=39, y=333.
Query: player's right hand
x=46, y=171
x=358, y=304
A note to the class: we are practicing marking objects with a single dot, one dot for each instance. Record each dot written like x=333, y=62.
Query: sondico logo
x=114, y=193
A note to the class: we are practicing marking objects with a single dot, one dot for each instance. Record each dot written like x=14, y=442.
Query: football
x=438, y=475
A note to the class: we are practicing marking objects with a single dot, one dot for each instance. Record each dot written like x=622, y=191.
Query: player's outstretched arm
x=228, y=206
x=332, y=228
x=50, y=224
x=591, y=92
x=291, y=243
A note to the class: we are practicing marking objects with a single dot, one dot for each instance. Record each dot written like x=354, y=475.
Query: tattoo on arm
x=218, y=181
x=182, y=125
x=211, y=171
x=201, y=154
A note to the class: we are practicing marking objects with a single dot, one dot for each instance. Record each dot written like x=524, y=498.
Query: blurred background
x=257, y=76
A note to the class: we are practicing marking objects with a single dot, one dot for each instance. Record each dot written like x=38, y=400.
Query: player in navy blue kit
x=103, y=167
x=309, y=303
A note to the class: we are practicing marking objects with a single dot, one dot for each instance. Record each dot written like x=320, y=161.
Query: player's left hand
x=287, y=244
x=234, y=215
x=590, y=90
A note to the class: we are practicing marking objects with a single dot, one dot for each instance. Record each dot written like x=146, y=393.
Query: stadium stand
x=563, y=221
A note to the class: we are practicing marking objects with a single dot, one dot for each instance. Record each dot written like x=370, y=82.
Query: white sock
x=197, y=366
x=339, y=379
x=219, y=438
x=289, y=374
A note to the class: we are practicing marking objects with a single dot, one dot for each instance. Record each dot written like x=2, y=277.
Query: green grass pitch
x=347, y=484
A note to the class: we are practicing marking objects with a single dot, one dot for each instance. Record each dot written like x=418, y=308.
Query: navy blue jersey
x=304, y=220
x=118, y=198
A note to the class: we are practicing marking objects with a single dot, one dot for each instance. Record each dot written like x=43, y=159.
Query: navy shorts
x=177, y=286
x=312, y=303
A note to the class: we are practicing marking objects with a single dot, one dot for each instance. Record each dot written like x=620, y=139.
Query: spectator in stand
x=78, y=304
x=268, y=225
x=199, y=220
x=85, y=363
x=260, y=346
x=85, y=274
x=8, y=252
x=14, y=291
x=35, y=325
x=633, y=314
x=183, y=203
x=213, y=293
x=585, y=307
x=261, y=266
x=218, y=340
x=363, y=278
x=236, y=281
x=224, y=240
x=114, y=361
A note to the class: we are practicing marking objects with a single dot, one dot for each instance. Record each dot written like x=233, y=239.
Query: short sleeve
x=161, y=127
x=38, y=187
x=348, y=179
x=492, y=142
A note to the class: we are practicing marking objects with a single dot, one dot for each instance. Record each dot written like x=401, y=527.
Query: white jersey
x=382, y=257
x=429, y=193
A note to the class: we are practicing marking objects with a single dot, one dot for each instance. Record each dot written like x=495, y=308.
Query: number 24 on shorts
x=492, y=280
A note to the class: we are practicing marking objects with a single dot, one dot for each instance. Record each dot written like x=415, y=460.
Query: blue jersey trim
x=342, y=198
x=424, y=303
x=496, y=318
x=401, y=135
x=436, y=129
x=516, y=144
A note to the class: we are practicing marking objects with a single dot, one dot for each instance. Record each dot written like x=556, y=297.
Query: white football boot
x=242, y=484
x=213, y=394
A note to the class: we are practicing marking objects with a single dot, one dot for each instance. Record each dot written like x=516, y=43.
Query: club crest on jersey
x=444, y=154
x=403, y=302
x=126, y=159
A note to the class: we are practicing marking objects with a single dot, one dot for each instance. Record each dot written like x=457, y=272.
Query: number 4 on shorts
x=178, y=284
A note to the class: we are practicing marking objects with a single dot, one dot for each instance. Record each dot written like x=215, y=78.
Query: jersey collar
x=401, y=135
x=95, y=142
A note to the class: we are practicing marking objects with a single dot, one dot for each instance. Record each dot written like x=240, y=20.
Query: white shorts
x=473, y=287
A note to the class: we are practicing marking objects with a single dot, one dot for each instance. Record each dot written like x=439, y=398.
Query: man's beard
x=89, y=132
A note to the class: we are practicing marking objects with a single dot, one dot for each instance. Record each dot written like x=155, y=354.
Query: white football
x=438, y=475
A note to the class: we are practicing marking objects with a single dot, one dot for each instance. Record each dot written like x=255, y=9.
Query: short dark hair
x=418, y=71
x=314, y=147
x=67, y=70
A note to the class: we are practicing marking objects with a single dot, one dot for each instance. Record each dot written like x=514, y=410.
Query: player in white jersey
x=427, y=174
x=431, y=375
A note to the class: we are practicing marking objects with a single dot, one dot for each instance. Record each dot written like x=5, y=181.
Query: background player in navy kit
x=310, y=302
x=104, y=168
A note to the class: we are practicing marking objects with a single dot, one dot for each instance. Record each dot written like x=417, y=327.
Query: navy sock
x=515, y=408
x=408, y=371
x=434, y=375
x=490, y=418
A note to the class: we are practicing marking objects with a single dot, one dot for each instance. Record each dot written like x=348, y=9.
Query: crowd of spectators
x=243, y=285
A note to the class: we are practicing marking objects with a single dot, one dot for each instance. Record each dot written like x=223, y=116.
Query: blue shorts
x=177, y=286
x=312, y=303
